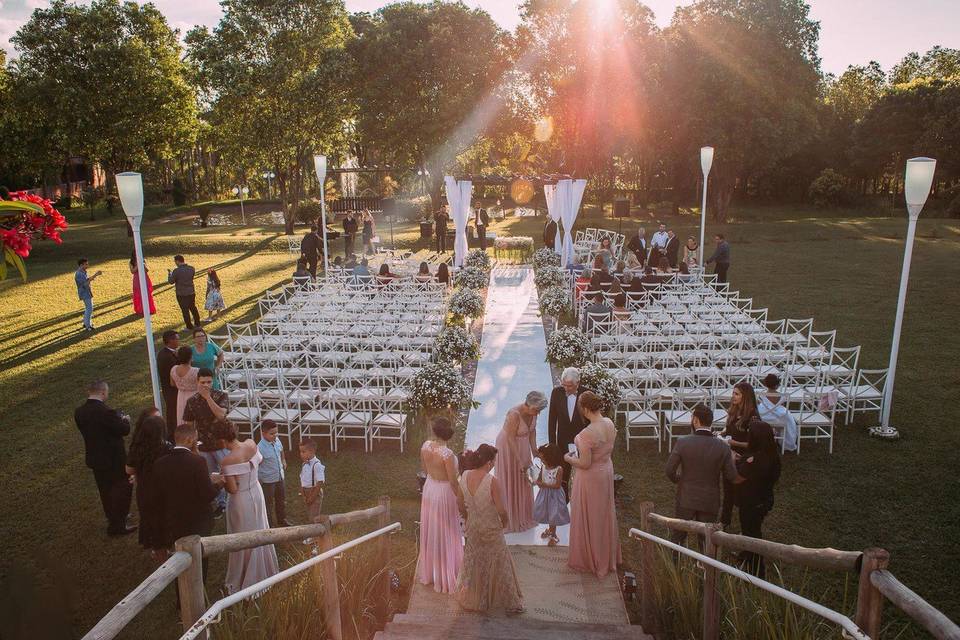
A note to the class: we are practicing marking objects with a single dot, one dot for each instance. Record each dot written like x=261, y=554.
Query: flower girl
x=550, y=507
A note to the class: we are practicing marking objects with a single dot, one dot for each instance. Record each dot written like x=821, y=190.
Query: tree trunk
x=722, y=190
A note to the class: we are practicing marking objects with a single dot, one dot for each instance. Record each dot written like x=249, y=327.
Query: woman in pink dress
x=137, y=302
x=516, y=443
x=183, y=376
x=441, y=540
x=594, y=539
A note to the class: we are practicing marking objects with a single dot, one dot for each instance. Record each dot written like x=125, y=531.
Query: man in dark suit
x=721, y=256
x=184, y=489
x=550, y=233
x=638, y=245
x=481, y=223
x=103, y=430
x=310, y=249
x=166, y=360
x=564, y=421
x=696, y=465
x=349, y=233
x=440, y=220
x=182, y=279
x=672, y=249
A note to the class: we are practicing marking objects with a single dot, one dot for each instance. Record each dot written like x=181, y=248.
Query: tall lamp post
x=130, y=187
x=241, y=191
x=269, y=175
x=916, y=187
x=320, y=166
x=706, y=161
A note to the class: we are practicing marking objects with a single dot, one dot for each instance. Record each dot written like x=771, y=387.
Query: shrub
x=438, y=386
x=454, y=345
x=549, y=277
x=545, y=257
x=466, y=303
x=596, y=378
x=470, y=278
x=829, y=189
x=479, y=259
x=179, y=192
x=309, y=210
x=555, y=301
x=569, y=347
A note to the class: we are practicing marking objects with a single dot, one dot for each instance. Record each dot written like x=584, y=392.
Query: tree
x=938, y=63
x=104, y=81
x=742, y=76
x=275, y=78
x=431, y=83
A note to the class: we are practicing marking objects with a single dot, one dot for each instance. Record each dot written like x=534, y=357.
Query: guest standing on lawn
x=147, y=446
x=84, y=292
x=440, y=220
x=203, y=410
x=207, y=355
x=137, y=302
x=184, y=377
x=594, y=539
x=313, y=476
x=103, y=430
x=271, y=474
x=349, y=234
x=721, y=256
x=310, y=250
x=166, y=360
x=757, y=472
x=213, y=303
x=515, y=444
x=368, y=232
x=182, y=279
x=441, y=542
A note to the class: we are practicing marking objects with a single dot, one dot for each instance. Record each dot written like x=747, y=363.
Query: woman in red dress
x=137, y=302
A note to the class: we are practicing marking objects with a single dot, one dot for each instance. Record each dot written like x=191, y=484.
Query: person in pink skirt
x=516, y=443
x=441, y=539
x=594, y=540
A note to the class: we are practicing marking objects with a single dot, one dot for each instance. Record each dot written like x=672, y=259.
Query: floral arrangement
x=479, y=259
x=596, y=378
x=569, y=347
x=549, y=277
x=555, y=301
x=438, y=386
x=514, y=243
x=545, y=257
x=466, y=303
x=470, y=278
x=24, y=218
x=454, y=345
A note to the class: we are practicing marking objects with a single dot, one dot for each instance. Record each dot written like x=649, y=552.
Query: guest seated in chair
x=597, y=310
x=443, y=274
x=424, y=275
x=620, y=311
x=384, y=276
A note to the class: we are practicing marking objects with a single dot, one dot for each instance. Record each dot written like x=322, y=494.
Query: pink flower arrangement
x=19, y=226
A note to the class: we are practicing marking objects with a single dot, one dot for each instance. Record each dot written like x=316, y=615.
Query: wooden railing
x=875, y=582
x=186, y=567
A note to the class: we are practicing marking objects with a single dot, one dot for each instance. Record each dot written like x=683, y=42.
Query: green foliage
x=829, y=189
x=309, y=211
x=179, y=193
x=940, y=63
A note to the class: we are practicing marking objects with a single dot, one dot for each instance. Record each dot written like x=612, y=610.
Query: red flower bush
x=19, y=227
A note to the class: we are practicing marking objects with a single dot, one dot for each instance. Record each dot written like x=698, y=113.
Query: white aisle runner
x=512, y=364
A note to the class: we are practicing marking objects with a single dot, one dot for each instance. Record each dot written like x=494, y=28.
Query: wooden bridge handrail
x=229, y=542
x=826, y=558
x=677, y=524
x=339, y=519
x=921, y=611
x=136, y=601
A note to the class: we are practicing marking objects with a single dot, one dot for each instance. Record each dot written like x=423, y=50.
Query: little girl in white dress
x=550, y=507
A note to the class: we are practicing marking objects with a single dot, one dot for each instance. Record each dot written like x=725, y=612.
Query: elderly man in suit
x=696, y=465
x=166, y=360
x=564, y=421
x=103, y=430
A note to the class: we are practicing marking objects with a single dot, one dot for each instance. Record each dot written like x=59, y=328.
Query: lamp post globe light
x=706, y=162
x=130, y=188
x=916, y=186
x=269, y=175
x=320, y=167
x=241, y=192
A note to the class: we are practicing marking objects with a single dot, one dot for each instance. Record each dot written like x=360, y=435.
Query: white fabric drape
x=570, y=194
x=553, y=210
x=458, y=196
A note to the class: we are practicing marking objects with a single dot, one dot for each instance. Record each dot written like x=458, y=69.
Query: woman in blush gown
x=516, y=443
x=183, y=376
x=441, y=541
x=488, y=580
x=246, y=509
x=594, y=540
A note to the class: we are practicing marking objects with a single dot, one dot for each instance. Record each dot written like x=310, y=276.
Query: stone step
x=466, y=627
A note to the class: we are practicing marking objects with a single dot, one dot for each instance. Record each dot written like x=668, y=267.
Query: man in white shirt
x=312, y=479
x=564, y=422
x=658, y=244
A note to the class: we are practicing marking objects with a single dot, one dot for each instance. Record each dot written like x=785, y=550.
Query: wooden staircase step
x=469, y=627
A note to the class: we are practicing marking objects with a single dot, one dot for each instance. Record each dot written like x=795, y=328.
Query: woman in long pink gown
x=516, y=443
x=137, y=303
x=183, y=376
x=594, y=539
x=441, y=540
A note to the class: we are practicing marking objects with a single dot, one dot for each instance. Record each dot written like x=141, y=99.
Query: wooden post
x=711, y=605
x=383, y=559
x=331, y=587
x=647, y=596
x=869, y=598
x=193, y=602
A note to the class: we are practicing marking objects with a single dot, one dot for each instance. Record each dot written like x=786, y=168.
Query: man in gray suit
x=182, y=279
x=696, y=464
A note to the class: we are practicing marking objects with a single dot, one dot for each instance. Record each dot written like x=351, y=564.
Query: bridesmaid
x=183, y=376
x=441, y=541
x=137, y=302
x=516, y=443
x=594, y=540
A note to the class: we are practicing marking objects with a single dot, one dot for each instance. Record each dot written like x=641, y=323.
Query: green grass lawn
x=62, y=573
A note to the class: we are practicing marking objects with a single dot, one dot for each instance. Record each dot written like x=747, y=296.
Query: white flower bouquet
x=454, y=345
x=479, y=259
x=545, y=257
x=466, y=303
x=520, y=247
x=596, y=378
x=439, y=386
x=555, y=301
x=569, y=347
x=549, y=277
x=470, y=278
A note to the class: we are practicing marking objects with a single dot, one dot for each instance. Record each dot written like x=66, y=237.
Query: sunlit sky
x=852, y=31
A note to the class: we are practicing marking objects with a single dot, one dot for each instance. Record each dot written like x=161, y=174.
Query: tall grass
x=293, y=609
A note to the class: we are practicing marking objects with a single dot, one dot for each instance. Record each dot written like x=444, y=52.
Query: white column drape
x=458, y=196
x=570, y=193
x=553, y=210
